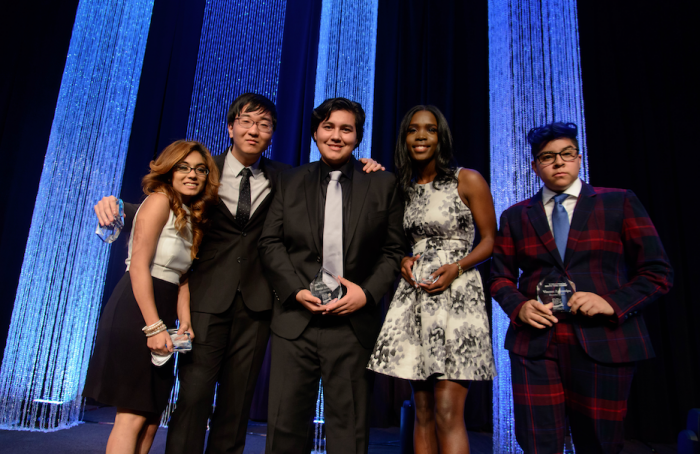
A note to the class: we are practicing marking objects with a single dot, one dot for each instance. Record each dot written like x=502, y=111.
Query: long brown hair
x=160, y=180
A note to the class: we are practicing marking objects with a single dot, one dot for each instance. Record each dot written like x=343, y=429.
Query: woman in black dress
x=167, y=231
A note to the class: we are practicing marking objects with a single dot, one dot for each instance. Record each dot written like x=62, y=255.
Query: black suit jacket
x=291, y=248
x=228, y=258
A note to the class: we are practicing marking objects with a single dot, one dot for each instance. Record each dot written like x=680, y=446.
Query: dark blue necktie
x=560, y=224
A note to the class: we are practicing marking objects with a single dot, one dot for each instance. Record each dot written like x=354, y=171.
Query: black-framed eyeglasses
x=200, y=171
x=548, y=157
x=263, y=125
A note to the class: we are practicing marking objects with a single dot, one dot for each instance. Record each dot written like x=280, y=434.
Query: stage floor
x=91, y=437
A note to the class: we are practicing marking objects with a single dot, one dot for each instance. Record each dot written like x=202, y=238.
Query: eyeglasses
x=548, y=158
x=200, y=171
x=263, y=125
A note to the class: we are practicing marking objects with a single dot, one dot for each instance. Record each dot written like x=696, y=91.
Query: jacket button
x=238, y=260
x=245, y=234
x=318, y=259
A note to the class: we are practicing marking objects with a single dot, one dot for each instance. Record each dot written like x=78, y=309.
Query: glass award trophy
x=110, y=233
x=181, y=342
x=425, y=267
x=556, y=289
x=326, y=286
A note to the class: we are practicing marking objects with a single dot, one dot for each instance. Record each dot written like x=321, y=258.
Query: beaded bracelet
x=153, y=329
x=157, y=331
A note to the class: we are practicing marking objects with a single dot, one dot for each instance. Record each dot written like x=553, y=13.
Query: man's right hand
x=310, y=302
x=107, y=210
x=537, y=314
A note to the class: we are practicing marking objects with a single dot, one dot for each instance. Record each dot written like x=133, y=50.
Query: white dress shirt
x=569, y=204
x=260, y=185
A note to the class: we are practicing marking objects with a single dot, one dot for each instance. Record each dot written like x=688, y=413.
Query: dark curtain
x=432, y=52
x=35, y=38
x=640, y=88
x=297, y=82
x=162, y=104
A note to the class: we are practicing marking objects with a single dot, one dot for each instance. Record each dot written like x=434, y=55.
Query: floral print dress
x=444, y=334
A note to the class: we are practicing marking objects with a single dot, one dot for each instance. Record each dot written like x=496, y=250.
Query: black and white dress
x=445, y=334
x=120, y=372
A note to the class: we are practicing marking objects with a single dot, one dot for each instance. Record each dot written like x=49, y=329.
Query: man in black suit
x=331, y=214
x=230, y=298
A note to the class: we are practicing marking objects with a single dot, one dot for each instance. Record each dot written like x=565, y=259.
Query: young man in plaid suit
x=576, y=362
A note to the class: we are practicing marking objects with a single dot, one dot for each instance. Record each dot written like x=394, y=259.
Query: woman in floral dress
x=436, y=334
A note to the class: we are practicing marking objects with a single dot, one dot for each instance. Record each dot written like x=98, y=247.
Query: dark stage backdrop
x=34, y=42
x=641, y=111
x=433, y=53
x=640, y=89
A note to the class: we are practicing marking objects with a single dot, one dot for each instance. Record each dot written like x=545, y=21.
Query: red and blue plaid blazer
x=613, y=251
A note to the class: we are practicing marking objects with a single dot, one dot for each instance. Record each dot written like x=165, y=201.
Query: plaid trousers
x=566, y=382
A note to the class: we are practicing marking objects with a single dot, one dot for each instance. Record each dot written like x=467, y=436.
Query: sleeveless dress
x=121, y=373
x=445, y=335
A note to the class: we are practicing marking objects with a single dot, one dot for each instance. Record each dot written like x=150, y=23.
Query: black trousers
x=329, y=350
x=228, y=348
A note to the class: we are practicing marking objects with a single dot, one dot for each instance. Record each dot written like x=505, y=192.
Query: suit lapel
x=220, y=160
x=269, y=169
x=584, y=207
x=311, y=187
x=360, y=187
x=538, y=219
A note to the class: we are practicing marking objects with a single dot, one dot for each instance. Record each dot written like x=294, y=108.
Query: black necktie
x=243, y=210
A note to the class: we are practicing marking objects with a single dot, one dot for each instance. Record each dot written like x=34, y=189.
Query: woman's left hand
x=446, y=274
x=186, y=327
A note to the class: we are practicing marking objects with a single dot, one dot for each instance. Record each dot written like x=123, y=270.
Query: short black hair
x=253, y=102
x=327, y=107
x=540, y=136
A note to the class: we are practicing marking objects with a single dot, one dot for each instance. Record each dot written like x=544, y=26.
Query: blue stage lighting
x=239, y=51
x=534, y=78
x=61, y=283
x=346, y=56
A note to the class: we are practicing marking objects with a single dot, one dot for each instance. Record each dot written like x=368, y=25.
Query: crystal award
x=110, y=233
x=556, y=289
x=326, y=286
x=425, y=266
x=181, y=342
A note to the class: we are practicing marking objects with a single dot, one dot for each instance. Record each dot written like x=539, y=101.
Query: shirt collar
x=236, y=167
x=346, y=169
x=573, y=191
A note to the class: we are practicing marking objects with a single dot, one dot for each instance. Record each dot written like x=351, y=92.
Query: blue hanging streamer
x=62, y=278
x=240, y=50
x=347, y=49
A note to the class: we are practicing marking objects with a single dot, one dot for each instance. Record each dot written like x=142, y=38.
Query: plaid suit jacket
x=613, y=251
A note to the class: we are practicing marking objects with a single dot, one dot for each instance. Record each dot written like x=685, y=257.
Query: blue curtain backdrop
x=641, y=101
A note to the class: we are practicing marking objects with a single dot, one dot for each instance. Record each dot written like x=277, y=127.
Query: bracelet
x=157, y=331
x=154, y=329
x=460, y=271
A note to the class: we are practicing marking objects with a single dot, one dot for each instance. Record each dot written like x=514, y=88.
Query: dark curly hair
x=540, y=136
x=444, y=160
x=160, y=180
